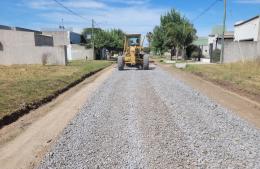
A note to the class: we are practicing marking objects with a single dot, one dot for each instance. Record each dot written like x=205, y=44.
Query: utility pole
x=223, y=32
x=92, y=38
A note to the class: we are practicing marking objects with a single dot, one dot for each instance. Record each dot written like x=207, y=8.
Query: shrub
x=193, y=51
x=195, y=54
x=216, y=55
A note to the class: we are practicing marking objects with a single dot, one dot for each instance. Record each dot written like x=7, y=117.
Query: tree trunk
x=184, y=53
x=177, y=53
x=172, y=52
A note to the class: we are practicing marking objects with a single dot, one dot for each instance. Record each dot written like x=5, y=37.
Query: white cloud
x=85, y=4
x=131, y=18
x=248, y=1
x=41, y=4
x=82, y=4
x=129, y=2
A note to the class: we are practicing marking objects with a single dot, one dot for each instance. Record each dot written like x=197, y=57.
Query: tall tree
x=158, y=40
x=176, y=30
x=149, y=36
x=110, y=39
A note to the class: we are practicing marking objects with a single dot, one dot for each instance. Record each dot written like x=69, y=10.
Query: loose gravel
x=148, y=119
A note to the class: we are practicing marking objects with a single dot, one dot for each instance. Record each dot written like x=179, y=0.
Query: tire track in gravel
x=147, y=119
x=219, y=138
x=163, y=141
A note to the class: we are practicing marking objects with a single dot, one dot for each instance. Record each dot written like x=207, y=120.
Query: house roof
x=56, y=29
x=201, y=41
x=227, y=35
x=241, y=23
x=4, y=27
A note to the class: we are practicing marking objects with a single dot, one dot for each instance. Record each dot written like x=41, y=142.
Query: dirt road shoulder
x=244, y=107
x=23, y=143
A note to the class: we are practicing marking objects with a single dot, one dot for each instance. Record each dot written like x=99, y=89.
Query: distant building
x=63, y=36
x=246, y=42
x=72, y=40
x=248, y=30
x=215, y=41
x=202, y=43
x=228, y=37
x=26, y=46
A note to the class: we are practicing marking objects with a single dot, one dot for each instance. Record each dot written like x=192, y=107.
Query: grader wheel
x=120, y=63
x=146, y=62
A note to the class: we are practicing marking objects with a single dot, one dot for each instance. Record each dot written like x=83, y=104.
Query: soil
x=24, y=142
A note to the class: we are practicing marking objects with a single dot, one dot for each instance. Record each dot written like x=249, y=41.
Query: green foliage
x=147, y=50
x=149, y=37
x=111, y=39
x=175, y=31
x=158, y=39
x=193, y=51
x=216, y=55
x=196, y=54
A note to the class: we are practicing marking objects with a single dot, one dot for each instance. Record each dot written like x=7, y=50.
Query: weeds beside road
x=239, y=77
x=23, y=84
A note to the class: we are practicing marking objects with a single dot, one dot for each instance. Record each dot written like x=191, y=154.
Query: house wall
x=241, y=51
x=19, y=48
x=79, y=52
x=43, y=40
x=59, y=37
x=205, y=50
x=249, y=30
x=72, y=41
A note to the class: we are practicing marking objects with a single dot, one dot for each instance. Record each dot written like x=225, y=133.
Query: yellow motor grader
x=133, y=54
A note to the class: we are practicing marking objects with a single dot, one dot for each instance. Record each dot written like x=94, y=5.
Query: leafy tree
x=110, y=39
x=117, y=37
x=149, y=36
x=158, y=39
x=87, y=33
x=175, y=32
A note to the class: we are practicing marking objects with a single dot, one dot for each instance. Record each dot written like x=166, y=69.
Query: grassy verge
x=243, y=77
x=24, y=84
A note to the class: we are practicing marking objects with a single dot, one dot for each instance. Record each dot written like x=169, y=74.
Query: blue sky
x=133, y=16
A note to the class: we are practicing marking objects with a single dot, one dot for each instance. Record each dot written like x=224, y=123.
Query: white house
x=248, y=30
x=246, y=43
x=215, y=41
x=202, y=43
x=25, y=46
x=72, y=40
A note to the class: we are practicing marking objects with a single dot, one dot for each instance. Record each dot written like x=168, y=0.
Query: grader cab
x=133, y=55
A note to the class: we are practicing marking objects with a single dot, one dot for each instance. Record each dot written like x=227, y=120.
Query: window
x=134, y=41
x=1, y=47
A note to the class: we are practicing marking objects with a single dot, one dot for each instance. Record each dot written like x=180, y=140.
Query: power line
x=206, y=10
x=82, y=17
x=71, y=11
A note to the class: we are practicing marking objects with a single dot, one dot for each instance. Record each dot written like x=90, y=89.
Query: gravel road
x=148, y=119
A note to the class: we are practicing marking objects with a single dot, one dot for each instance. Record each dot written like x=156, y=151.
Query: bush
x=195, y=54
x=216, y=55
x=193, y=51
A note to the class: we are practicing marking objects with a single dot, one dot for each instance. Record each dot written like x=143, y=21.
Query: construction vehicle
x=133, y=55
